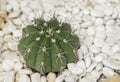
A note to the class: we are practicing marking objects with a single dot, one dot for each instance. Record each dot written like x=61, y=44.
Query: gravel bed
x=95, y=22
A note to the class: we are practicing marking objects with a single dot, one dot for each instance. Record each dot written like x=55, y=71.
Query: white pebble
x=17, y=33
x=95, y=74
x=94, y=49
x=90, y=31
x=86, y=24
x=17, y=21
x=66, y=72
x=88, y=40
x=92, y=66
x=75, y=10
x=13, y=46
x=25, y=71
x=74, y=69
x=107, y=49
x=24, y=78
x=1, y=68
x=110, y=22
x=9, y=76
x=43, y=79
x=88, y=61
x=68, y=8
x=14, y=14
x=35, y=77
x=100, y=34
x=18, y=66
x=99, y=67
x=108, y=72
x=36, y=4
x=71, y=78
x=98, y=58
x=115, y=48
x=112, y=64
x=51, y=77
x=2, y=75
x=99, y=21
x=98, y=42
x=60, y=78
x=115, y=56
x=8, y=64
x=108, y=11
x=97, y=13
x=15, y=4
x=86, y=11
x=110, y=41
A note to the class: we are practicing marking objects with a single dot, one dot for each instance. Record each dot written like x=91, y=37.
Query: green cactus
x=48, y=46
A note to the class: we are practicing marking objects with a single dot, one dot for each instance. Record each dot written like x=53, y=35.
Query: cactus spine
x=48, y=46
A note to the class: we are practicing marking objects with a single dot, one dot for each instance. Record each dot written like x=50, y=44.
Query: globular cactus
x=48, y=46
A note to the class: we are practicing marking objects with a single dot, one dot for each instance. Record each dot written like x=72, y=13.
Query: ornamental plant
x=48, y=46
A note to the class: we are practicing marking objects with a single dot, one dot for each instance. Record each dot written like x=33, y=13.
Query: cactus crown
x=48, y=46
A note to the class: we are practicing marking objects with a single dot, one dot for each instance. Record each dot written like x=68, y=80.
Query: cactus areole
x=48, y=46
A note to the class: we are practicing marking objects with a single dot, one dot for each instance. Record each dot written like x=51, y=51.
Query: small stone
x=36, y=4
x=15, y=4
x=99, y=21
x=110, y=22
x=94, y=49
x=88, y=61
x=13, y=46
x=9, y=76
x=98, y=58
x=107, y=49
x=18, y=66
x=71, y=78
x=112, y=79
x=74, y=69
x=43, y=79
x=2, y=75
x=91, y=67
x=25, y=71
x=66, y=72
x=1, y=68
x=24, y=78
x=115, y=48
x=115, y=56
x=108, y=11
x=35, y=77
x=60, y=78
x=100, y=34
x=86, y=11
x=51, y=77
x=107, y=72
x=99, y=67
x=98, y=42
x=17, y=21
x=97, y=13
x=17, y=33
x=75, y=10
x=90, y=31
x=95, y=74
x=86, y=24
x=112, y=64
x=14, y=14
x=8, y=38
x=110, y=41
x=89, y=41
x=8, y=64
x=68, y=8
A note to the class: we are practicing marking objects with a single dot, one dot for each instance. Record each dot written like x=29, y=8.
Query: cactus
x=48, y=46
